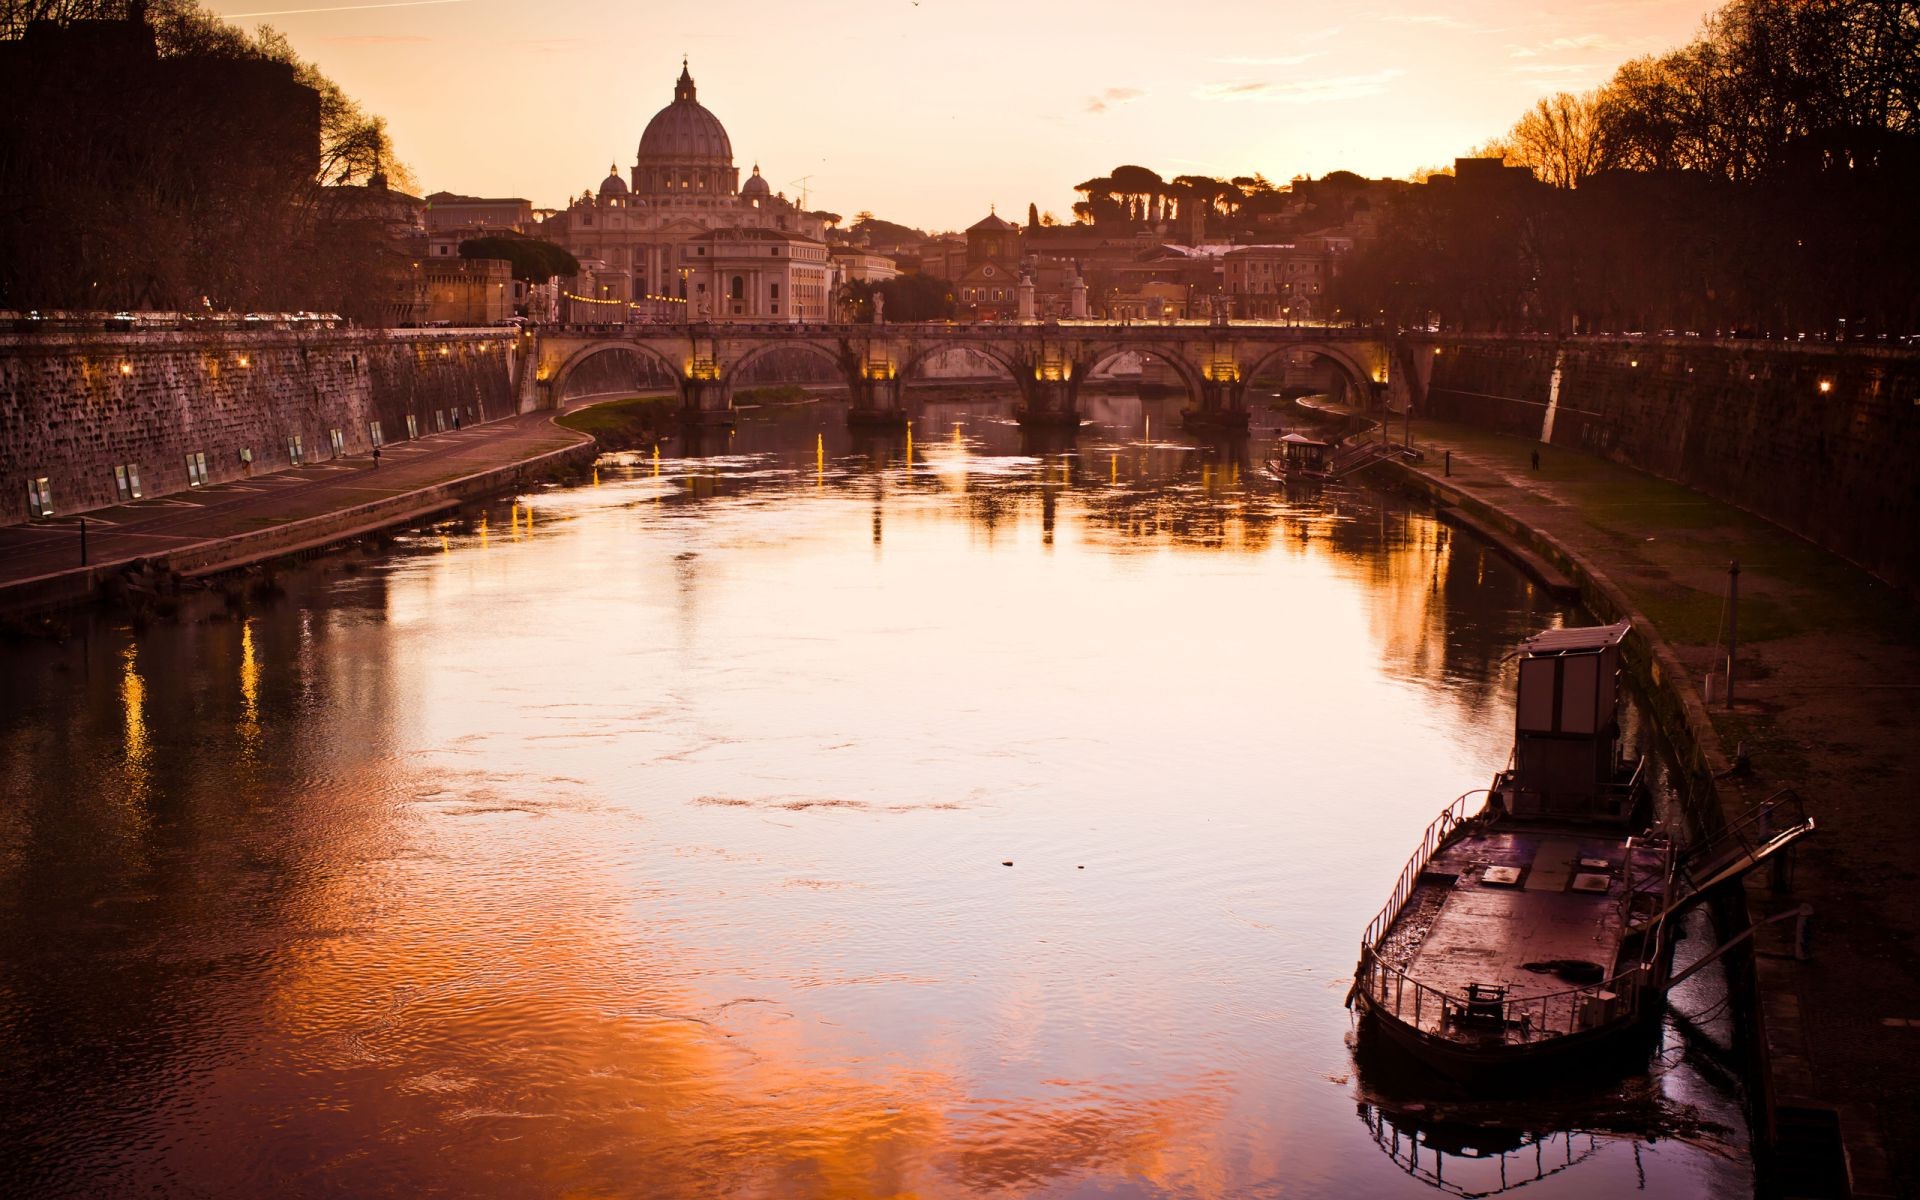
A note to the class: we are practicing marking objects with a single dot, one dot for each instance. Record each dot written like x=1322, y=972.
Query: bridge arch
x=1093, y=354
x=557, y=383
x=1357, y=372
x=919, y=354
x=834, y=352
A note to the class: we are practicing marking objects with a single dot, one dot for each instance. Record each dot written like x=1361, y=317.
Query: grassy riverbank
x=623, y=424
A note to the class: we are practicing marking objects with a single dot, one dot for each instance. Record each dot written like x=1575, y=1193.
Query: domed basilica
x=681, y=238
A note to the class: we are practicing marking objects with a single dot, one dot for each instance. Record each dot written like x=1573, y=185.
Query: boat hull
x=1615, y=1043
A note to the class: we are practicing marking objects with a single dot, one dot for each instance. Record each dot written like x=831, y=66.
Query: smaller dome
x=755, y=186
x=613, y=184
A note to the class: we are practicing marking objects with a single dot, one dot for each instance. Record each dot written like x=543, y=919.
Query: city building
x=988, y=289
x=857, y=264
x=1286, y=281
x=647, y=241
x=477, y=216
x=462, y=291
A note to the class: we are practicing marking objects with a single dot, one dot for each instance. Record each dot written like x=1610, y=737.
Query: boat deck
x=1535, y=911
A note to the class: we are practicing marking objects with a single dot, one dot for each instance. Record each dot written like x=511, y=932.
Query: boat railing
x=1451, y=818
x=1499, y=1018
x=1476, y=1173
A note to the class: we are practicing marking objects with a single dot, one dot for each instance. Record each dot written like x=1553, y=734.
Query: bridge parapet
x=1047, y=362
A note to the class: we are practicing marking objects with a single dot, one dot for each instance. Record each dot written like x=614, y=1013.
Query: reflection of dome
x=684, y=132
x=756, y=186
x=613, y=185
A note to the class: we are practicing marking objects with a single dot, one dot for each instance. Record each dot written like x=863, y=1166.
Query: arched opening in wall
x=786, y=371
x=613, y=371
x=1295, y=372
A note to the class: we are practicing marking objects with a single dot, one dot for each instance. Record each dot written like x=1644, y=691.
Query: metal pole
x=1449, y=464
x=1733, y=623
x=83, y=541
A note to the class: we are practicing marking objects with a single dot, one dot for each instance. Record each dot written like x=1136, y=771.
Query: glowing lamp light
x=1634, y=362
x=245, y=361
x=127, y=369
x=1826, y=385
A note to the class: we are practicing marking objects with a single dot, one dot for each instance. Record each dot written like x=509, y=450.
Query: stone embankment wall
x=1823, y=440
x=75, y=406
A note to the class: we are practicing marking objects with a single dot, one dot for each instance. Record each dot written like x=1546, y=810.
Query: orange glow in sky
x=927, y=111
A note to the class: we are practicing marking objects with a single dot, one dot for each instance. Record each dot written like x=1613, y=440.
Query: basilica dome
x=685, y=148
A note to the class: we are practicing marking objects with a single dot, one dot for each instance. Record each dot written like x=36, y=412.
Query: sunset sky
x=927, y=111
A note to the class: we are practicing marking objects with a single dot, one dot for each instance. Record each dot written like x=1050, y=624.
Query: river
x=815, y=815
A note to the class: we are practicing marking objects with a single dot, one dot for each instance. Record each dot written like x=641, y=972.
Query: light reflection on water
x=647, y=838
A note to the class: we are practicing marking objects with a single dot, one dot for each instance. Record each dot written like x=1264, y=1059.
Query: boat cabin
x=1566, y=744
x=1303, y=455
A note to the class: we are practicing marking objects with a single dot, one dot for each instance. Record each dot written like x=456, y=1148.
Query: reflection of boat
x=1540, y=926
x=1470, y=1160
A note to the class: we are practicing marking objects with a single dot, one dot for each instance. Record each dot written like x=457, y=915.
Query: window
x=737, y=290
x=413, y=426
x=246, y=457
x=39, y=497
x=197, y=469
x=295, y=451
x=338, y=440
x=774, y=292
x=126, y=481
x=373, y=434
x=776, y=252
x=439, y=420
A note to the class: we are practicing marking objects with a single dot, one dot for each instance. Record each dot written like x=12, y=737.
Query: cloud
x=1560, y=68
x=1401, y=18
x=1560, y=45
x=1112, y=96
x=1302, y=91
x=376, y=39
x=334, y=8
x=1284, y=60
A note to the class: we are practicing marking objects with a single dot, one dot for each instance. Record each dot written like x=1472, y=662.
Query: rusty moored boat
x=1537, y=924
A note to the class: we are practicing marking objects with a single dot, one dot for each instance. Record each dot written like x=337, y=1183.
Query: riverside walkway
x=1828, y=670
x=243, y=520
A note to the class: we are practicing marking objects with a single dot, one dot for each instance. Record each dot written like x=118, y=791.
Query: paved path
x=1827, y=677
x=169, y=523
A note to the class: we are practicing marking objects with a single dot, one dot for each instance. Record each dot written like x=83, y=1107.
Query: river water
x=819, y=815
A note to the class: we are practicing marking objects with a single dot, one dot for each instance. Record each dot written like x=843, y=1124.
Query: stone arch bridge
x=1047, y=363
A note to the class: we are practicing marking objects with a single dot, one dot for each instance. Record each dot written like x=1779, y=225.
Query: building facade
x=647, y=242
x=988, y=290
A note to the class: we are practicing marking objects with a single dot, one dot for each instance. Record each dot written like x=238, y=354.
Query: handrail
x=1521, y=1019
x=1451, y=817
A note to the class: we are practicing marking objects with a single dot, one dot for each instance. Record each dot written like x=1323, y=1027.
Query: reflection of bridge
x=1046, y=362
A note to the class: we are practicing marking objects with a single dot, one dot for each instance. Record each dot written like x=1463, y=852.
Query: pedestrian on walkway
x=1536, y=460
x=376, y=458
x=456, y=427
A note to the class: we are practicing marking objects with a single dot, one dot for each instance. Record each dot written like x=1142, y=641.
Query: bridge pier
x=1219, y=410
x=706, y=403
x=878, y=402
x=1048, y=403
